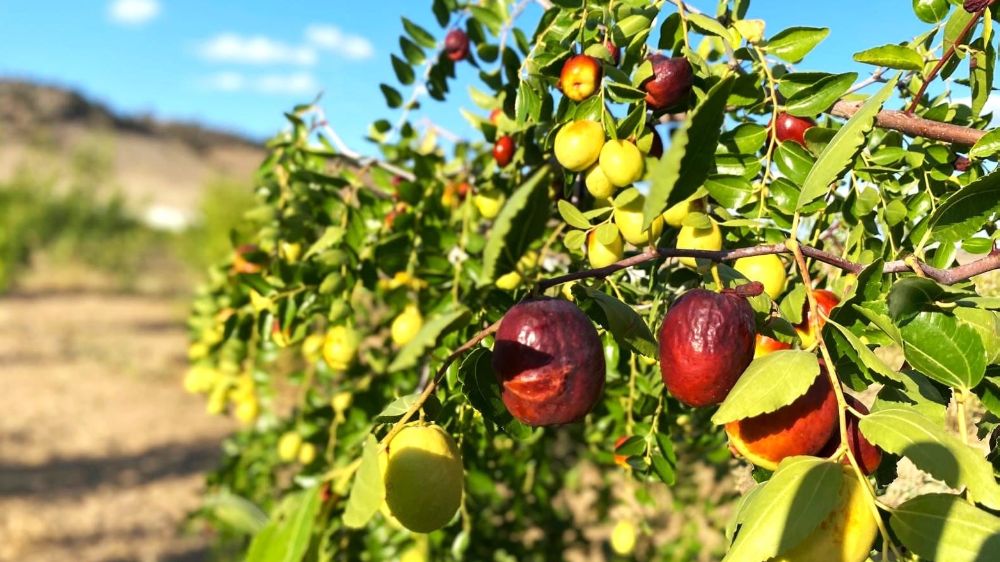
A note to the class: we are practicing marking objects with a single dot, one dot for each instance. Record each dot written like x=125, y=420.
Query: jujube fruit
x=600, y=254
x=549, y=362
x=423, y=478
x=503, y=151
x=621, y=162
x=597, y=183
x=340, y=347
x=800, y=428
x=670, y=83
x=768, y=269
x=867, y=454
x=456, y=45
x=406, y=326
x=706, y=342
x=489, y=202
x=691, y=238
x=578, y=144
x=580, y=77
x=767, y=344
x=629, y=218
x=791, y=128
x=826, y=301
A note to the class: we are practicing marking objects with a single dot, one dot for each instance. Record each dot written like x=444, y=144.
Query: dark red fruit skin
x=792, y=128
x=503, y=150
x=868, y=455
x=706, y=342
x=549, y=362
x=615, y=50
x=456, y=45
x=670, y=83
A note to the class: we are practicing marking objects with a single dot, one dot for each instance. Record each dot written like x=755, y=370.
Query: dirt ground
x=102, y=454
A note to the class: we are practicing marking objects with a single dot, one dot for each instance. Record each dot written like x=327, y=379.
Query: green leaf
x=519, y=223
x=967, y=210
x=398, y=407
x=393, y=98
x=911, y=295
x=625, y=325
x=986, y=146
x=404, y=72
x=367, y=490
x=946, y=527
x=867, y=356
x=918, y=393
x=846, y=144
x=956, y=23
x=786, y=509
x=479, y=384
x=770, y=382
x=687, y=162
x=729, y=191
x=891, y=56
x=427, y=338
x=945, y=349
x=419, y=34
x=572, y=215
x=487, y=17
x=904, y=432
x=236, y=512
x=794, y=43
x=818, y=97
x=528, y=103
x=286, y=538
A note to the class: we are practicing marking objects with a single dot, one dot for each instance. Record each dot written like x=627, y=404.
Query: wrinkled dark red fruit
x=973, y=6
x=791, y=128
x=868, y=455
x=456, y=45
x=503, y=150
x=670, y=83
x=706, y=342
x=549, y=362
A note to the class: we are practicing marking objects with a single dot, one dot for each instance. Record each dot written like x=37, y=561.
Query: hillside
x=161, y=166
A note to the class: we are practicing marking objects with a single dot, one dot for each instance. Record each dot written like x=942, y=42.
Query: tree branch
x=944, y=276
x=946, y=57
x=912, y=125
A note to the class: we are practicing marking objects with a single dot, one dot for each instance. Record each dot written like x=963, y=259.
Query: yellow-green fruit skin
x=339, y=347
x=406, y=326
x=768, y=269
x=307, y=453
x=690, y=238
x=846, y=535
x=424, y=478
x=578, y=144
x=621, y=162
x=600, y=255
x=674, y=216
x=629, y=221
x=597, y=183
x=489, y=203
x=623, y=537
x=288, y=446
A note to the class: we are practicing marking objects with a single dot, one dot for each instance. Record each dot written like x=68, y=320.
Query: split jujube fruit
x=706, y=342
x=791, y=128
x=868, y=455
x=456, y=45
x=549, y=362
x=800, y=428
x=670, y=84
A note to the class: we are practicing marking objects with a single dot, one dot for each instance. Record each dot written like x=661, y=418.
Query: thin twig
x=945, y=58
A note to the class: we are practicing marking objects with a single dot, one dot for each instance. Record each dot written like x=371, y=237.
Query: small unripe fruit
x=423, y=477
x=706, y=342
x=580, y=77
x=602, y=255
x=406, y=326
x=340, y=347
x=341, y=401
x=670, y=84
x=288, y=446
x=549, y=362
x=768, y=269
x=489, y=203
x=503, y=151
x=307, y=453
x=691, y=238
x=791, y=128
x=512, y=280
x=597, y=183
x=621, y=162
x=629, y=218
x=456, y=45
x=623, y=537
x=578, y=144
x=800, y=428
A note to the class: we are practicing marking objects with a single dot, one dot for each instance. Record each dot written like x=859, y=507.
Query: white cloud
x=330, y=38
x=233, y=48
x=295, y=83
x=133, y=12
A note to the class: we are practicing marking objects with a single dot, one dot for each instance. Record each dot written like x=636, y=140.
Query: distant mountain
x=161, y=166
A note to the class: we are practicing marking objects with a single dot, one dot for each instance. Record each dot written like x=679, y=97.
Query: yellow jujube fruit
x=341, y=401
x=489, y=203
x=629, y=220
x=406, y=326
x=288, y=446
x=674, y=216
x=623, y=538
x=690, y=238
x=312, y=347
x=621, y=161
x=340, y=347
x=424, y=478
x=601, y=255
x=848, y=532
x=307, y=453
x=247, y=410
x=598, y=184
x=768, y=269
x=512, y=280
x=578, y=144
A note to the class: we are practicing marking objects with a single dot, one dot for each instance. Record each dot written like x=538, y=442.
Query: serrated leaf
x=572, y=215
x=367, y=490
x=846, y=144
x=967, y=210
x=946, y=527
x=687, y=162
x=944, y=349
x=956, y=23
x=904, y=432
x=428, y=337
x=625, y=325
x=891, y=56
x=910, y=295
x=770, y=382
x=867, y=356
x=730, y=191
x=519, y=223
x=786, y=509
x=818, y=97
x=794, y=43
x=404, y=72
x=918, y=393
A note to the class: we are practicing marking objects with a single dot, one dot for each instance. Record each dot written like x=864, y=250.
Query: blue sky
x=238, y=64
